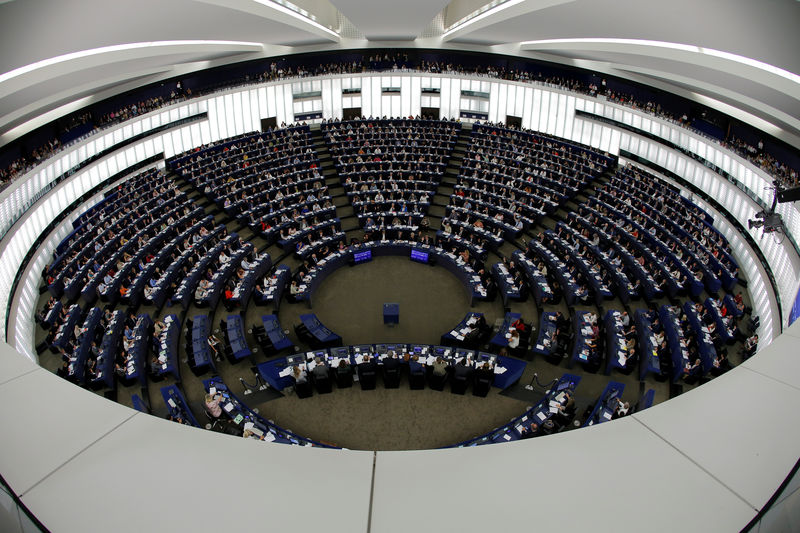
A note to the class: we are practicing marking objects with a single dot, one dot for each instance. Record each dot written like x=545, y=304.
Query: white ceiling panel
x=389, y=20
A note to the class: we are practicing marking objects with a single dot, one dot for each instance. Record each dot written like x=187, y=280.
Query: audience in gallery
x=787, y=176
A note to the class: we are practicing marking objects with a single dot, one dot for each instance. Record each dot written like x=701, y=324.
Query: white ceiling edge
x=735, y=65
x=508, y=10
x=760, y=122
x=30, y=112
x=788, y=121
x=40, y=72
x=272, y=11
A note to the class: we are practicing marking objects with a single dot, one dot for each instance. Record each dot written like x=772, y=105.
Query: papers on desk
x=472, y=321
x=335, y=362
x=430, y=360
x=228, y=407
x=212, y=391
x=359, y=359
x=285, y=372
x=248, y=425
x=269, y=437
x=607, y=415
x=311, y=365
x=500, y=370
x=507, y=437
x=586, y=331
x=541, y=416
x=171, y=403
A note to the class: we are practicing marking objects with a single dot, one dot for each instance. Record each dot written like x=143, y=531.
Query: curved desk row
x=277, y=372
x=424, y=253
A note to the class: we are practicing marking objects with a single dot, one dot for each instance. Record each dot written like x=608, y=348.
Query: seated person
x=440, y=367
x=320, y=369
x=212, y=405
x=299, y=374
x=462, y=370
x=513, y=341
x=529, y=432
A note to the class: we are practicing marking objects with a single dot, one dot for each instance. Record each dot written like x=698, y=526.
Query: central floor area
x=350, y=302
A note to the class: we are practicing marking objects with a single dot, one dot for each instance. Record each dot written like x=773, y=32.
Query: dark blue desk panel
x=319, y=331
x=514, y=369
x=500, y=340
x=136, y=368
x=705, y=346
x=646, y=400
x=65, y=331
x=457, y=335
x=80, y=356
x=581, y=353
x=391, y=313
x=52, y=315
x=177, y=405
x=537, y=282
x=270, y=372
x=234, y=326
x=546, y=342
x=166, y=349
x=244, y=288
x=716, y=312
x=606, y=404
x=615, y=342
x=201, y=356
x=109, y=347
x=648, y=350
x=275, y=285
x=505, y=281
x=138, y=404
x=676, y=341
x=237, y=407
x=537, y=414
x=274, y=331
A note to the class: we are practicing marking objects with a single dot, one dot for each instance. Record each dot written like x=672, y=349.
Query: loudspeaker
x=789, y=195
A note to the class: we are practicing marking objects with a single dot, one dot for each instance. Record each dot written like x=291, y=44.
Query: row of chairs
x=391, y=376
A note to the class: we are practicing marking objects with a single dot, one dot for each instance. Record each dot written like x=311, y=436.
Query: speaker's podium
x=391, y=313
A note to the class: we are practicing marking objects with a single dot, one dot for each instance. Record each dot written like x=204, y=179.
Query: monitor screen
x=419, y=256
x=362, y=257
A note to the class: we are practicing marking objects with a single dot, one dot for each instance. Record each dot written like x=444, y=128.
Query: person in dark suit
x=530, y=432
x=367, y=372
x=344, y=374
x=390, y=363
x=462, y=370
x=391, y=370
x=484, y=373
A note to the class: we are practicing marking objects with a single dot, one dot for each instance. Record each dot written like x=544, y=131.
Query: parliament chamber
x=252, y=247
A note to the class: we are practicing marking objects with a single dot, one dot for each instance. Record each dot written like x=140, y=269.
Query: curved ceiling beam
x=776, y=78
x=34, y=109
x=504, y=11
x=269, y=10
x=40, y=72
